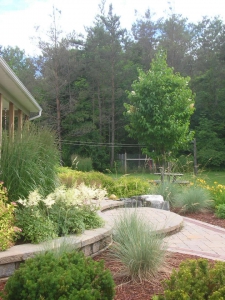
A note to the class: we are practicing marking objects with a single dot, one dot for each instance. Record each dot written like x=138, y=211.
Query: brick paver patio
x=198, y=238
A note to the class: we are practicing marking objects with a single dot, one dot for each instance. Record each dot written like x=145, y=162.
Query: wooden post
x=11, y=119
x=195, y=159
x=20, y=120
x=1, y=101
x=162, y=174
x=125, y=163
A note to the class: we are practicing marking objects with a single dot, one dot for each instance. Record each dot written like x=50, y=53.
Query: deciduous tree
x=161, y=104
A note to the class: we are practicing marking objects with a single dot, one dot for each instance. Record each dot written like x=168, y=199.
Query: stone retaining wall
x=91, y=242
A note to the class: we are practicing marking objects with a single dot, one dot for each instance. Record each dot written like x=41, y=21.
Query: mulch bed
x=129, y=290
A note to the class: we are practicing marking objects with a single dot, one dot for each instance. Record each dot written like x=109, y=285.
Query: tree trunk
x=113, y=115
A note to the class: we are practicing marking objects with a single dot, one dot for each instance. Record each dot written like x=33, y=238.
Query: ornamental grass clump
x=137, y=246
x=29, y=161
x=68, y=276
x=168, y=190
x=193, y=199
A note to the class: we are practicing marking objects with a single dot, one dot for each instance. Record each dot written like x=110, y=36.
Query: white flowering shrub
x=33, y=199
x=65, y=211
x=77, y=196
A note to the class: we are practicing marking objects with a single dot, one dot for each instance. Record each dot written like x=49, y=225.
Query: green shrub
x=128, y=186
x=218, y=193
x=36, y=226
x=168, y=190
x=80, y=163
x=69, y=177
x=137, y=246
x=8, y=231
x=29, y=161
x=3, y=193
x=197, y=280
x=67, y=219
x=125, y=186
x=193, y=199
x=90, y=218
x=220, y=211
x=65, y=211
x=71, y=276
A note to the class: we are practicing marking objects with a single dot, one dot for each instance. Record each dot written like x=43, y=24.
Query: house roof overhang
x=13, y=90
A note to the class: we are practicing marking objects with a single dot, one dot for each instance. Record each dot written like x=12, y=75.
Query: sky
x=18, y=18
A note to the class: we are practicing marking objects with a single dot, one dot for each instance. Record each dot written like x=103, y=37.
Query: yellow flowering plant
x=217, y=191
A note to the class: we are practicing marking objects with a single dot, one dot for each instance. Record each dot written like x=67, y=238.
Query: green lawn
x=209, y=176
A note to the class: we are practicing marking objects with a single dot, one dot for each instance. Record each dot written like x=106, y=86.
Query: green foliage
x=8, y=231
x=66, y=211
x=193, y=199
x=183, y=164
x=195, y=279
x=69, y=177
x=90, y=218
x=211, y=147
x=125, y=186
x=36, y=226
x=80, y=163
x=67, y=219
x=137, y=246
x=29, y=161
x=161, y=104
x=128, y=186
x=74, y=220
x=218, y=193
x=220, y=211
x=3, y=193
x=71, y=276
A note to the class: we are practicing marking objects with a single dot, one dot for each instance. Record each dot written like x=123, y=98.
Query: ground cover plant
x=67, y=275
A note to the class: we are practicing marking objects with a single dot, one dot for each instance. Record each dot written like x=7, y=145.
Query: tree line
x=82, y=82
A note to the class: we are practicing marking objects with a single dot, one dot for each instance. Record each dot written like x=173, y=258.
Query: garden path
x=198, y=238
x=195, y=237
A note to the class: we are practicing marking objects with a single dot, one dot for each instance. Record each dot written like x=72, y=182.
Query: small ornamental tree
x=161, y=104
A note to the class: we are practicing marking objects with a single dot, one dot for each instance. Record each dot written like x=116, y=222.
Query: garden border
x=91, y=242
